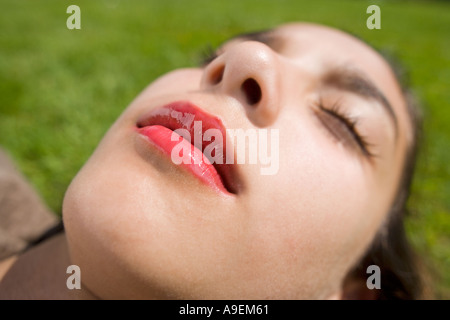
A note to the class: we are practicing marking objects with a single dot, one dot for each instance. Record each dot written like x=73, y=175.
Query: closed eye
x=343, y=128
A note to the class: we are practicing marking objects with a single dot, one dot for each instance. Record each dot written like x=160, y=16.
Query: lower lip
x=194, y=162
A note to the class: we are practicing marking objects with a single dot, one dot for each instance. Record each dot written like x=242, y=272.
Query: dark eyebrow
x=354, y=81
x=263, y=36
x=266, y=37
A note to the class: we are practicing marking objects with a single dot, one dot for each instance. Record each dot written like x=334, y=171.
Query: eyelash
x=208, y=55
x=349, y=123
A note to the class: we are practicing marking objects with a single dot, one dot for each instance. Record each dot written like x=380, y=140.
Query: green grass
x=61, y=89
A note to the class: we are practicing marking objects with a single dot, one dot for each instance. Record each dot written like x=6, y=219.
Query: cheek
x=127, y=222
x=316, y=217
x=178, y=81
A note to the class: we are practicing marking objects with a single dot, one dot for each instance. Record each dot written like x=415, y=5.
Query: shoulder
x=23, y=215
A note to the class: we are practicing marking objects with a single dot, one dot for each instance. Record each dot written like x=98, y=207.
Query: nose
x=248, y=71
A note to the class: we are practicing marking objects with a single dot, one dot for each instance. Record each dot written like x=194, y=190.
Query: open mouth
x=208, y=164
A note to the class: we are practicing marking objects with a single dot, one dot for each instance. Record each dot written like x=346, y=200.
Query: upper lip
x=181, y=115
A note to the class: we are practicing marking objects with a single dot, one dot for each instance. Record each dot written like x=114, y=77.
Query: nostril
x=252, y=91
x=217, y=74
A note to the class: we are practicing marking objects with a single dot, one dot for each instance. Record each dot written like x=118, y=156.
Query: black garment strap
x=52, y=231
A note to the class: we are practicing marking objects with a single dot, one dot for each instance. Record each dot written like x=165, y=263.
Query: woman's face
x=140, y=226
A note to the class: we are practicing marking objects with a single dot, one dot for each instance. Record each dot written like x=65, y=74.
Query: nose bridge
x=249, y=72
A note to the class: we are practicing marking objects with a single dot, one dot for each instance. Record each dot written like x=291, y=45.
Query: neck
x=40, y=273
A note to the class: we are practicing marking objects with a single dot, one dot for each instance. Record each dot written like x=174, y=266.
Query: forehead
x=332, y=47
x=320, y=48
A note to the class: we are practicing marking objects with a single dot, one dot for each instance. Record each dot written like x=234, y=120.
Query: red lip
x=158, y=127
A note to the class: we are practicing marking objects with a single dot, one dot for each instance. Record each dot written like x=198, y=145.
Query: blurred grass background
x=61, y=89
